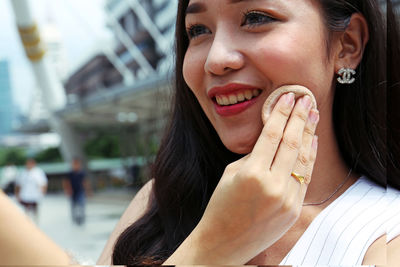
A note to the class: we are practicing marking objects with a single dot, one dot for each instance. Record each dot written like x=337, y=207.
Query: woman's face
x=242, y=50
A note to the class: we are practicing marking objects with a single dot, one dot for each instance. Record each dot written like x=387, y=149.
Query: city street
x=85, y=242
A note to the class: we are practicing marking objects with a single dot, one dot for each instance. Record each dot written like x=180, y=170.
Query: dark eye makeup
x=256, y=18
x=196, y=30
x=250, y=19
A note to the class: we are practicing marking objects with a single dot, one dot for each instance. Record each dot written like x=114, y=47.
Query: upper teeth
x=226, y=100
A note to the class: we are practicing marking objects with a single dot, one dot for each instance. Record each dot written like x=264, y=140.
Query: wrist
x=202, y=247
x=193, y=251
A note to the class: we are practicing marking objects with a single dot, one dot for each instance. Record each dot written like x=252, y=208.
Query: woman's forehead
x=280, y=8
x=199, y=6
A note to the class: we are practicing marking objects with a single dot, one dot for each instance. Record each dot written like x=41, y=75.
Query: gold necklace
x=331, y=195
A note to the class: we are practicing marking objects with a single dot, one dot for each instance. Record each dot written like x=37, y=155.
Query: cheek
x=193, y=73
x=292, y=60
x=287, y=59
x=186, y=69
x=193, y=70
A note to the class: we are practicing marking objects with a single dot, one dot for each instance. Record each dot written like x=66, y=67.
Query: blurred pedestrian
x=8, y=177
x=76, y=187
x=31, y=186
x=135, y=171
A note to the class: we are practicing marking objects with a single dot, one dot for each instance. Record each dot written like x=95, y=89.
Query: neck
x=330, y=170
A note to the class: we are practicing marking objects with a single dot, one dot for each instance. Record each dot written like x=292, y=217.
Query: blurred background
x=90, y=80
x=87, y=79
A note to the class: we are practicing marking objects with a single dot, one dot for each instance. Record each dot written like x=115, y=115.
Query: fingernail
x=314, y=116
x=306, y=101
x=315, y=142
x=289, y=99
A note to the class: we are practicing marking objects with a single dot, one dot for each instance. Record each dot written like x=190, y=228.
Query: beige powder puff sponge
x=273, y=98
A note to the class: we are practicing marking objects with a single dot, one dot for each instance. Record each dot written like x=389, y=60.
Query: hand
x=257, y=200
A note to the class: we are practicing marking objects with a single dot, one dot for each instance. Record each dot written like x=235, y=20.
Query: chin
x=242, y=148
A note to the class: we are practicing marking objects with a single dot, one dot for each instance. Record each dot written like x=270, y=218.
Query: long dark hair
x=393, y=75
x=192, y=158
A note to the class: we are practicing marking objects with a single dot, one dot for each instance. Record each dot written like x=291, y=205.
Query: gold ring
x=298, y=177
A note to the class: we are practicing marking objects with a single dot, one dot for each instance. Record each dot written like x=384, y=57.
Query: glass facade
x=6, y=101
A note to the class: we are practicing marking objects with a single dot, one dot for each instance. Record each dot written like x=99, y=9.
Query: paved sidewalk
x=85, y=242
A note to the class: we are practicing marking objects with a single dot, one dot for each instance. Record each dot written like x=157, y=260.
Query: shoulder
x=135, y=210
x=138, y=205
x=393, y=248
x=382, y=252
x=38, y=171
x=41, y=174
x=21, y=176
x=393, y=227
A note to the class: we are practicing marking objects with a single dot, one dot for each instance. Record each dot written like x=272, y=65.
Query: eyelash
x=191, y=29
x=265, y=18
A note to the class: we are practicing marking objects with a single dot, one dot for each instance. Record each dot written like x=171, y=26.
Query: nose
x=223, y=56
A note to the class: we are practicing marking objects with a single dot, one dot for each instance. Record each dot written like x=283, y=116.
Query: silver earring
x=346, y=76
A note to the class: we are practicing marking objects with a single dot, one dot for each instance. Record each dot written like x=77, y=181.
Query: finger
x=268, y=142
x=288, y=150
x=293, y=192
x=301, y=172
x=303, y=159
x=297, y=189
x=308, y=173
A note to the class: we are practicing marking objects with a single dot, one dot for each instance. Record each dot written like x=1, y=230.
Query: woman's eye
x=255, y=18
x=196, y=30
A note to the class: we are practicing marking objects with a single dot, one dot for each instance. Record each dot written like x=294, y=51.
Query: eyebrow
x=200, y=7
x=196, y=8
x=237, y=1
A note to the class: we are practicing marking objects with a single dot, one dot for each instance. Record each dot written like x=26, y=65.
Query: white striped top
x=343, y=231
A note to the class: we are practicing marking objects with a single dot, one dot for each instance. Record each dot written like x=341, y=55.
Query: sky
x=81, y=24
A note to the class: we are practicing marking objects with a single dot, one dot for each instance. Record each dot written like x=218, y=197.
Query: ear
x=352, y=43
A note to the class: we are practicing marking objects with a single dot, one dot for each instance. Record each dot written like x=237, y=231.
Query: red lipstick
x=232, y=89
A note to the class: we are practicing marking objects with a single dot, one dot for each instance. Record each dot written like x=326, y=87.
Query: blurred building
x=141, y=48
x=6, y=99
x=124, y=83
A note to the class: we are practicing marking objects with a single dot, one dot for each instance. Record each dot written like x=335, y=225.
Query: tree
x=103, y=146
x=49, y=155
x=15, y=156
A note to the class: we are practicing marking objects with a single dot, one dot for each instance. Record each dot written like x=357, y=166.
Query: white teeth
x=240, y=97
x=248, y=94
x=224, y=100
x=232, y=99
x=219, y=100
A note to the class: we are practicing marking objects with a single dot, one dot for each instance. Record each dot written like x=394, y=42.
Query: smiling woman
x=218, y=206
x=230, y=188
x=267, y=43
